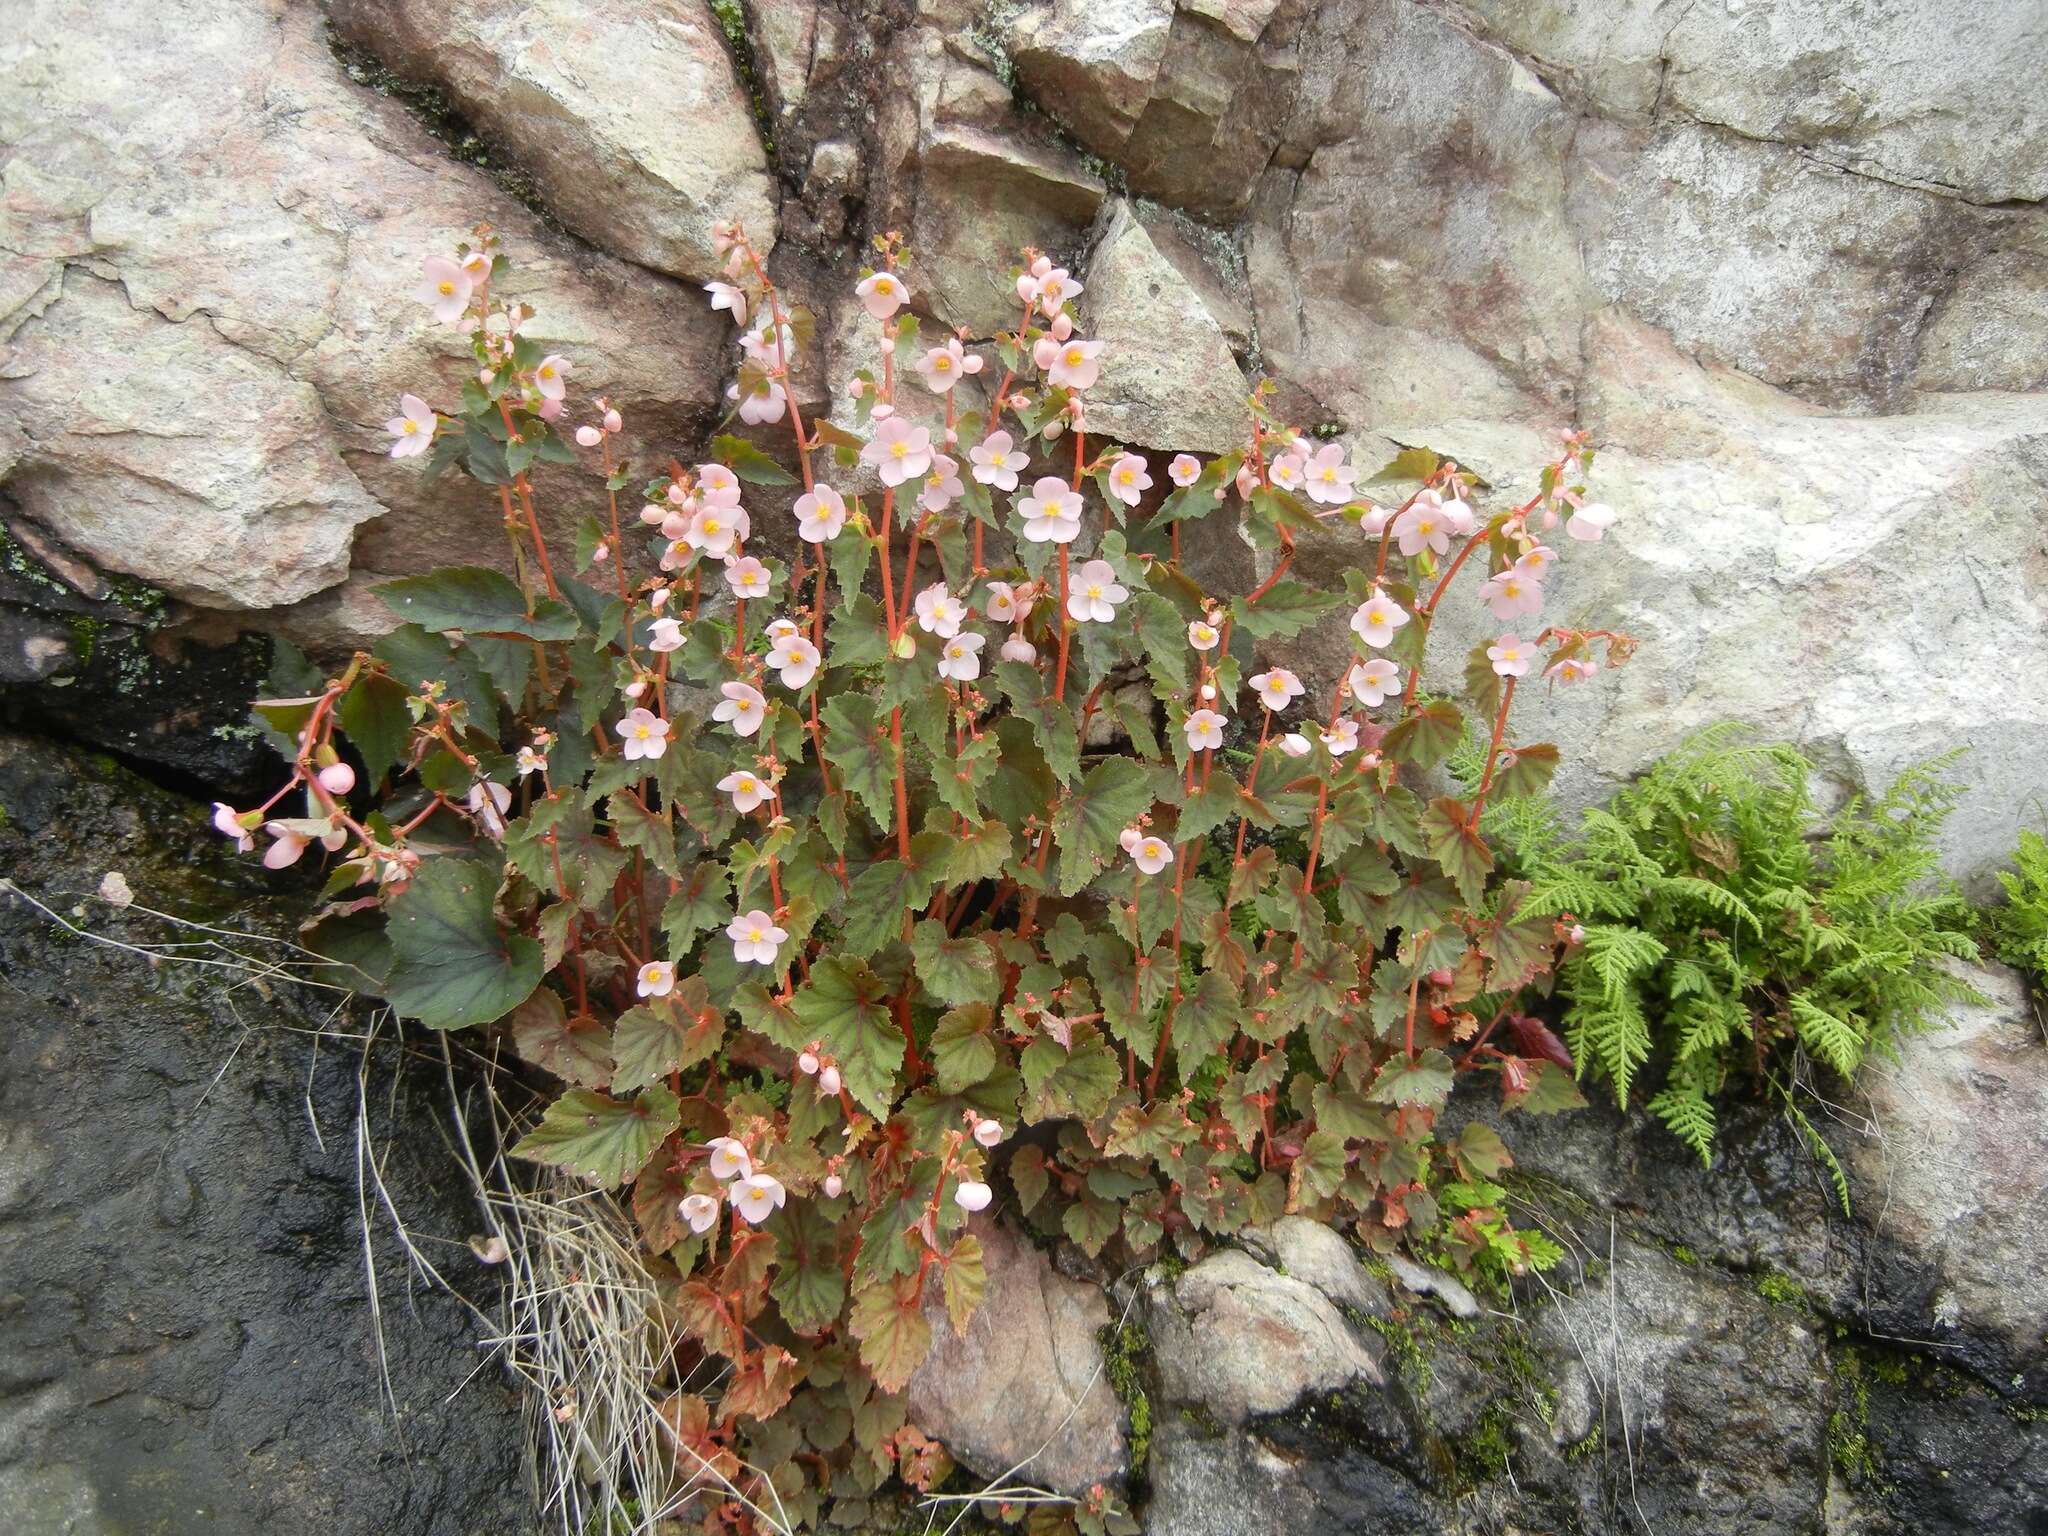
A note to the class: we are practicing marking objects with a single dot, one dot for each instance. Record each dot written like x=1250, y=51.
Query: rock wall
x=1785, y=262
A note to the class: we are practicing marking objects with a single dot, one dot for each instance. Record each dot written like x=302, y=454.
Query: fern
x=1732, y=930
x=2018, y=930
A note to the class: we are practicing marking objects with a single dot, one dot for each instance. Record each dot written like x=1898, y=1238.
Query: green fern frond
x=1688, y=1115
x=1835, y=1040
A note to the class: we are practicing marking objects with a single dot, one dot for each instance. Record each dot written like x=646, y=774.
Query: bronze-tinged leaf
x=576, y=1050
x=760, y=1388
x=894, y=1335
x=966, y=1281
x=657, y=1198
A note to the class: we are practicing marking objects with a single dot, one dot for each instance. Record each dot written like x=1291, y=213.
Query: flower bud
x=602, y=553
x=1208, y=693
x=988, y=1132
x=1062, y=326
x=807, y=1064
x=588, y=437
x=337, y=778
x=828, y=1082
x=613, y=421
x=635, y=688
x=484, y=377
x=833, y=1185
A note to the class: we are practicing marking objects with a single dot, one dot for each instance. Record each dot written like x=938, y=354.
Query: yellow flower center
x=1425, y=528
x=941, y=363
x=754, y=934
x=746, y=786
x=547, y=373
x=883, y=285
x=1095, y=589
x=1074, y=357
x=410, y=428
x=712, y=525
x=447, y=288
x=641, y=733
x=899, y=449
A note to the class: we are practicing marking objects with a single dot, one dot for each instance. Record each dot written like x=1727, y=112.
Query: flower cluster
x=894, y=784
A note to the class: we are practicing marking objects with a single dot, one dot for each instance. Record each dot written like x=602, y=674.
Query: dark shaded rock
x=185, y=1332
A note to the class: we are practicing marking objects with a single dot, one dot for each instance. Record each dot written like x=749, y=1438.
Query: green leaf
x=374, y=715
x=450, y=964
x=641, y=830
x=953, y=970
x=1088, y=822
x=599, y=1137
x=1456, y=845
x=859, y=748
x=1425, y=1080
x=873, y=912
x=1322, y=1164
x=699, y=905
x=417, y=656
x=1068, y=1084
x=1426, y=737
x=475, y=598
x=1547, y=1089
x=1524, y=771
x=1416, y=464
x=1286, y=609
x=810, y=1286
x=1204, y=1022
x=963, y=1050
x=966, y=1281
x=749, y=462
x=844, y=1004
x=979, y=852
x=670, y=1034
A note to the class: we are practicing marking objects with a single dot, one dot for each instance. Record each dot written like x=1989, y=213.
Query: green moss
x=1850, y=1448
x=1781, y=1290
x=1125, y=1349
x=731, y=16
x=1482, y=1454
x=1584, y=1446
x=1684, y=1255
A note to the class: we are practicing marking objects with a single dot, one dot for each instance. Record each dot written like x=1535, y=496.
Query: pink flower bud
x=484, y=377
x=613, y=421
x=588, y=437
x=337, y=778
x=599, y=555
x=989, y=1132
x=635, y=689
x=1062, y=326
x=1208, y=693
x=658, y=599
x=549, y=409
x=677, y=495
x=1041, y=266
x=807, y=1064
x=833, y=1185
x=973, y=1196
x=828, y=1082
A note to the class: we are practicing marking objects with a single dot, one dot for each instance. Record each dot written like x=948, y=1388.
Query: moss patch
x=1126, y=1348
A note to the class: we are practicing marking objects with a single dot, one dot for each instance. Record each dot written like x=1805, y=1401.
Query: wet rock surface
x=186, y=1340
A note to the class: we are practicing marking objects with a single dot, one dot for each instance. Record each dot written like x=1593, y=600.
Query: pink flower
x=1536, y=560
x=1203, y=635
x=1205, y=730
x=1017, y=648
x=747, y=791
x=1294, y=744
x=665, y=635
x=1094, y=593
x=937, y=613
x=1571, y=670
x=820, y=514
x=657, y=978
x=548, y=410
x=1371, y=681
x=743, y=707
x=337, y=778
x=1341, y=737
x=1288, y=470
x=1374, y=522
x=700, y=1212
x=748, y=577
x=1052, y=512
x=1422, y=526
x=960, y=658
x=1327, y=478
x=718, y=485
x=1458, y=513
x=1005, y=603
x=1184, y=469
x=972, y=1195
x=714, y=530
x=898, y=451
x=1054, y=289
x=768, y=347
x=1511, y=595
x=1128, y=481
x=645, y=734
x=882, y=294
x=412, y=429
x=446, y=287
x=1377, y=618
x=942, y=485
x=551, y=376
x=1511, y=657
x=795, y=660
x=758, y=1197
x=1278, y=688
x=726, y=297
x=530, y=761
x=478, y=265
x=755, y=937
x=1589, y=522
x=730, y=1158
x=762, y=405
x=996, y=463
x=1151, y=854
x=988, y=1133
x=227, y=821
x=285, y=851
x=943, y=367
x=1076, y=364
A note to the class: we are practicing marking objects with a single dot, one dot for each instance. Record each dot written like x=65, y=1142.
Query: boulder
x=1023, y=1390
x=187, y=1337
x=1169, y=380
x=630, y=119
